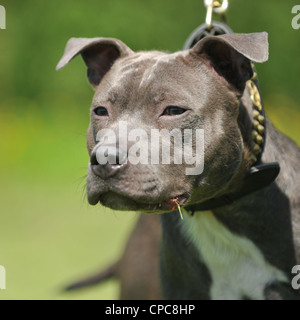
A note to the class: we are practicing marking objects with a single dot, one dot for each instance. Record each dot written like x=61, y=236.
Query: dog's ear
x=230, y=55
x=99, y=54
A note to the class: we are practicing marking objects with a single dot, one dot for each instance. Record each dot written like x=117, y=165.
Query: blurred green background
x=49, y=235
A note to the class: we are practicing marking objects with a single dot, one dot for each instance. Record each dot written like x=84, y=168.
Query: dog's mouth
x=117, y=201
x=177, y=201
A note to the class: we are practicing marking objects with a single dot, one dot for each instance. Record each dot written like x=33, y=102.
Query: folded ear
x=99, y=54
x=230, y=55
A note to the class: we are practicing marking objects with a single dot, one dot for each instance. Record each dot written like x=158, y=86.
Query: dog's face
x=164, y=126
x=163, y=91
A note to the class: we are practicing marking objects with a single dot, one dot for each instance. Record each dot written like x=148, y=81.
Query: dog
x=237, y=236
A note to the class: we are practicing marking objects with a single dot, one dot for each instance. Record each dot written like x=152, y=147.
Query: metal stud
x=261, y=119
x=255, y=124
x=260, y=129
x=255, y=114
x=256, y=149
x=259, y=139
x=254, y=134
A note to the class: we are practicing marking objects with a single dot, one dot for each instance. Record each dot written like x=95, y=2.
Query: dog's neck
x=252, y=175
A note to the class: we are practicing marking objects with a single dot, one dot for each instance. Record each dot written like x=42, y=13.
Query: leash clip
x=214, y=6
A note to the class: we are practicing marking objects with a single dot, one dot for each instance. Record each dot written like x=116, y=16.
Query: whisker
x=81, y=183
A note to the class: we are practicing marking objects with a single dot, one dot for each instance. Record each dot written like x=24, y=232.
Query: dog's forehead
x=146, y=67
x=146, y=61
x=153, y=74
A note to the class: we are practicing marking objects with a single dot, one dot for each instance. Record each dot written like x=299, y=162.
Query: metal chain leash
x=210, y=28
x=217, y=7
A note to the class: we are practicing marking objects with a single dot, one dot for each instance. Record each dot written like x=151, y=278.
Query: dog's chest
x=237, y=267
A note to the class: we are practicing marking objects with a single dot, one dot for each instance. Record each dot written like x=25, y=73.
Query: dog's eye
x=101, y=111
x=173, y=111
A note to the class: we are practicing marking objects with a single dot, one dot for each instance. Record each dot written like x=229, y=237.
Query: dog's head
x=163, y=126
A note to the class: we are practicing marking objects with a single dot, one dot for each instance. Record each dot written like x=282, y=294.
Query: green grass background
x=49, y=235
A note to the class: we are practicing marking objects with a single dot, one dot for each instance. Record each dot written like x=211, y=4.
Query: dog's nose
x=107, y=160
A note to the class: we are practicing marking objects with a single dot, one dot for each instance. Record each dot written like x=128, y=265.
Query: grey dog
x=239, y=236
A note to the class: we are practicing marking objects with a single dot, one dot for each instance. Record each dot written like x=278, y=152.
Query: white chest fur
x=236, y=265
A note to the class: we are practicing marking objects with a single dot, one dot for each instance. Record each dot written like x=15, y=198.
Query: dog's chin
x=117, y=201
